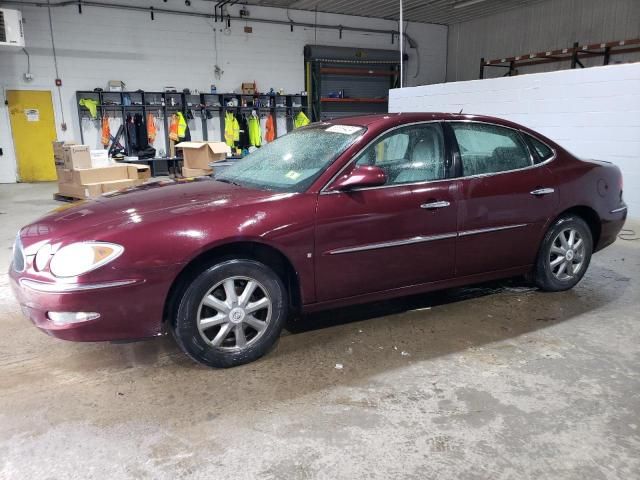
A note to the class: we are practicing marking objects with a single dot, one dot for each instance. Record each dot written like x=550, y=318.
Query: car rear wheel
x=231, y=314
x=564, y=255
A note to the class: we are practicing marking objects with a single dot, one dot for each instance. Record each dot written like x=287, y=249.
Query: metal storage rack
x=574, y=54
x=334, y=74
x=204, y=105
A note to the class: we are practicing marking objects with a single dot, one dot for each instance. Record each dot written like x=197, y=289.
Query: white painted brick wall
x=594, y=113
x=109, y=44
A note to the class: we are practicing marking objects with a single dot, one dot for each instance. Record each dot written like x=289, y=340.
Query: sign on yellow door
x=34, y=131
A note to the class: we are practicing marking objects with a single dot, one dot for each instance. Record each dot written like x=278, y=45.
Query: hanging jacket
x=105, y=136
x=301, y=120
x=270, y=129
x=255, y=132
x=182, y=125
x=141, y=132
x=91, y=105
x=173, y=128
x=231, y=129
x=243, y=140
x=152, y=131
x=131, y=136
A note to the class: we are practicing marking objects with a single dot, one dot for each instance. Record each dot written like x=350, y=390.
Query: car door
x=399, y=234
x=505, y=198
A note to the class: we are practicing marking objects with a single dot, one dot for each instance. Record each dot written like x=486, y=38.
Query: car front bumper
x=128, y=309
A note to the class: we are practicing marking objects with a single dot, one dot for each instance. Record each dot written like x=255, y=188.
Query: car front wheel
x=564, y=255
x=231, y=314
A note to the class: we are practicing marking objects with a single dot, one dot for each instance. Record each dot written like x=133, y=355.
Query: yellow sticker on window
x=293, y=175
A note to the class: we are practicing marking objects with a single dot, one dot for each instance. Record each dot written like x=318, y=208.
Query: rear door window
x=488, y=148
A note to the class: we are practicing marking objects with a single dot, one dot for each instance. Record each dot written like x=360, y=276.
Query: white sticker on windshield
x=293, y=175
x=345, y=129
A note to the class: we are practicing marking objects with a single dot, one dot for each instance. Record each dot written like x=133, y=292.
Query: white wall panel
x=594, y=113
x=540, y=27
x=181, y=51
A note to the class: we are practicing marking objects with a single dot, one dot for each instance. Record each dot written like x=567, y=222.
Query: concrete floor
x=497, y=381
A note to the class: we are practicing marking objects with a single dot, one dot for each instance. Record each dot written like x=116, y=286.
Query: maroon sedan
x=332, y=214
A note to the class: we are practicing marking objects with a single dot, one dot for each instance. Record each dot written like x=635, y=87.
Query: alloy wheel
x=567, y=254
x=234, y=314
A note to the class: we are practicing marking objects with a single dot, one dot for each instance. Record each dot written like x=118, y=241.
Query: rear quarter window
x=543, y=151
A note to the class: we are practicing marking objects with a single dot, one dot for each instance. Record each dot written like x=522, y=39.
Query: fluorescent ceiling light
x=467, y=3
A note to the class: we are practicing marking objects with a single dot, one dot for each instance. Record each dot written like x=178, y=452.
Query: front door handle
x=434, y=205
x=542, y=191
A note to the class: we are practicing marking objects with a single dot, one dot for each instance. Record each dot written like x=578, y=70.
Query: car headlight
x=42, y=257
x=79, y=258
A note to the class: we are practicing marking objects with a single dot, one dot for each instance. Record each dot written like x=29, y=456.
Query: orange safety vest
x=173, y=128
x=105, y=137
x=151, y=128
x=270, y=133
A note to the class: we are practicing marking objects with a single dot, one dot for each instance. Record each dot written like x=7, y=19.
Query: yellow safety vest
x=231, y=129
x=301, y=120
x=255, y=132
x=182, y=125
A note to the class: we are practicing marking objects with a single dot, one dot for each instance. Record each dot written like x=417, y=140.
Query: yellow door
x=34, y=131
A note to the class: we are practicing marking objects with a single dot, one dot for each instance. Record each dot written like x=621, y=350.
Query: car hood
x=119, y=209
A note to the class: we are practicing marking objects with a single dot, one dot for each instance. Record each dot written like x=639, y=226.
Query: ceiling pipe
x=86, y=3
x=401, y=42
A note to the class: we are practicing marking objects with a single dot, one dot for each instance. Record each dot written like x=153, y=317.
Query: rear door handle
x=434, y=205
x=542, y=191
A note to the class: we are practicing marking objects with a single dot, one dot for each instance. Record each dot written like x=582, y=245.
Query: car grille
x=18, y=256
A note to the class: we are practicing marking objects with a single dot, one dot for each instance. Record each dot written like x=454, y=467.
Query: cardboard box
x=58, y=151
x=92, y=190
x=93, y=182
x=196, y=172
x=64, y=175
x=119, y=184
x=100, y=158
x=115, y=86
x=80, y=191
x=76, y=156
x=248, y=88
x=200, y=154
x=143, y=171
x=98, y=175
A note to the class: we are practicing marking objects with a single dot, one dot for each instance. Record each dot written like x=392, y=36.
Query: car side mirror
x=360, y=176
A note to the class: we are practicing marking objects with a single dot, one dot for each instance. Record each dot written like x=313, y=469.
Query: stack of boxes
x=83, y=173
x=198, y=156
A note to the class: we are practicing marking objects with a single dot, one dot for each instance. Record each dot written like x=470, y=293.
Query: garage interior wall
x=542, y=26
x=181, y=51
x=593, y=112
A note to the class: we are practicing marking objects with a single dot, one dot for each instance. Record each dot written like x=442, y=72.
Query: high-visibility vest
x=255, y=133
x=151, y=128
x=301, y=120
x=231, y=129
x=91, y=105
x=182, y=125
x=105, y=137
x=173, y=128
x=269, y=127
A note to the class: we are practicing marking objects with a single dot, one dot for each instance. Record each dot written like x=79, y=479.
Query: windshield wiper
x=225, y=180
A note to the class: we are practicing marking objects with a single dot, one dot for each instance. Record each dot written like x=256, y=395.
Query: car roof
x=390, y=119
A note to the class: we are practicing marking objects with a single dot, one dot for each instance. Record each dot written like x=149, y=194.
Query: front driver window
x=489, y=149
x=409, y=154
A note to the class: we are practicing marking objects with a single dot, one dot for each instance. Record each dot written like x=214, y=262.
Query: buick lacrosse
x=333, y=214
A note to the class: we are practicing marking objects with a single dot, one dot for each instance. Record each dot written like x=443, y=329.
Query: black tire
x=545, y=274
x=192, y=306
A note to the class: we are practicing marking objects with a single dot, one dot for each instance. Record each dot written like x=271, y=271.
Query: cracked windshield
x=292, y=162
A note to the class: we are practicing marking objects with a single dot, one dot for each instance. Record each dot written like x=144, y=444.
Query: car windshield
x=291, y=163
